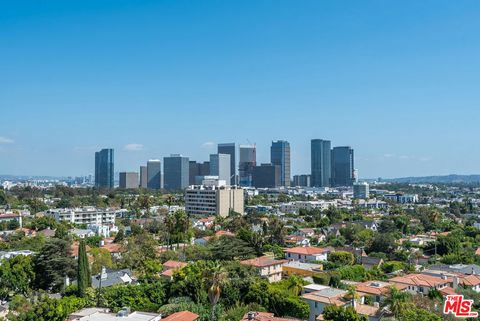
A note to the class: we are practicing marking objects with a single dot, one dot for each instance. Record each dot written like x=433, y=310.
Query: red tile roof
x=307, y=250
x=114, y=247
x=419, y=280
x=263, y=261
x=182, y=316
x=174, y=265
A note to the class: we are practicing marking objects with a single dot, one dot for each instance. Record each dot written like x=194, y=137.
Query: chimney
x=101, y=243
x=251, y=315
x=456, y=282
x=103, y=274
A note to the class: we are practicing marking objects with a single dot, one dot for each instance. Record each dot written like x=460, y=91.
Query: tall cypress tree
x=83, y=273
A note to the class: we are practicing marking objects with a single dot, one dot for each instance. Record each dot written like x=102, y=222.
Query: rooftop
x=307, y=250
x=263, y=261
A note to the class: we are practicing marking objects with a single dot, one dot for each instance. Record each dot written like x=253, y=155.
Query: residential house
x=110, y=277
x=102, y=314
x=170, y=267
x=182, y=316
x=301, y=268
x=297, y=240
x=306, y=254
x=267, y=267
x=421, y=283
x=81, y=233
x=318, y=300
x=370, y=262
x=264, y=316
x=378, y=290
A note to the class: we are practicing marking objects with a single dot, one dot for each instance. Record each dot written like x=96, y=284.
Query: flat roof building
x=128, y=180
x=154, y=174
x=176, y=171
x=229, y=149
x=214, y=200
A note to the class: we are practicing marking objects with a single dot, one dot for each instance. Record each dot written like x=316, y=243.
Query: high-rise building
x=198, y=170
x=104, y=168
x=301, y=180
x=342, y=166
x=143, y=177
x=321, y=163
x=128, y=180
x=361, y=190
x=154, y=174
x=229, y=149
x=220, y=166
x=214, y=200
x=266, y=176
x=248, y=160
x=175, y=172
x=280, y=155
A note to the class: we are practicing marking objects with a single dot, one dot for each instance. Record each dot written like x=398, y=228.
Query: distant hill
x=446, y=179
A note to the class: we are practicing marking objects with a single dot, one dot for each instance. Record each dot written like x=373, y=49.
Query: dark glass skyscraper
x=229, y=149
x=154, y=174
x=342, y=166
x=248, y=160
x=321, y=163
x=104, y=168
x=280, y=155
x=175, y=172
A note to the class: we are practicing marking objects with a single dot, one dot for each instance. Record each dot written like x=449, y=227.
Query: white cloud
x=5, y=140
x=388, y=155
x=208, y=145
x=133, y=147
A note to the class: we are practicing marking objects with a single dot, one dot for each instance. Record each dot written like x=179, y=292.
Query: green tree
x=16, y=275
x=53, y=264
x=396, y=300
x=342, y=258
x=215, y=277
x=101, y=257
x=84, y=279
x=334, y=313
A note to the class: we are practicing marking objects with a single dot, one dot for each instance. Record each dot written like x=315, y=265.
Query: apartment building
x=214, y=200
x=84, y=215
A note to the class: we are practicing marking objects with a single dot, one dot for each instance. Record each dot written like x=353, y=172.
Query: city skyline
x=140, y=77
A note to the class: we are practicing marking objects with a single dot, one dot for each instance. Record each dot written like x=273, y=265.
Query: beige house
x=267, y=267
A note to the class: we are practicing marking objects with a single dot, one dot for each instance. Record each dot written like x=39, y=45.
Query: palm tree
x=396, y=300
x=352, y=295
x=215, y=277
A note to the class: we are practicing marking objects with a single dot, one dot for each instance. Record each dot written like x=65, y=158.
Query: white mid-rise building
x=85, y=215
x=214, y=200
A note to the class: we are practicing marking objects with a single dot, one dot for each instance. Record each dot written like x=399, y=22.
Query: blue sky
x=396, y=80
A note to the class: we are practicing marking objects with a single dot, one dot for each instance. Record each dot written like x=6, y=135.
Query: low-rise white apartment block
x=214, y=200
x=294, y=207
x=402, y=198
x=85, y=215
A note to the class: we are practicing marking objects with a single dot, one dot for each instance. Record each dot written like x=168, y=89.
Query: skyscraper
x=280, y=155
x=154, y=174
x=343, y=166
x=198, y=170
x=104, y=168
x=143, y=177
x=220, y=166
x=128, y=180
x=176, y=172
x=321, y=163
x=248, y=160
x=229, y=149
x=266, y=176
